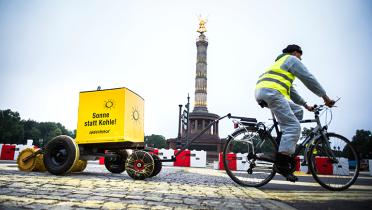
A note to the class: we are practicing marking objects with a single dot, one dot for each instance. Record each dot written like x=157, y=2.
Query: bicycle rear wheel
x=334, y=173
x=240, y=161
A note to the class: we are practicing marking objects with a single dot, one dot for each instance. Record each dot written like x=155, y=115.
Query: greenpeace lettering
x=99, y=132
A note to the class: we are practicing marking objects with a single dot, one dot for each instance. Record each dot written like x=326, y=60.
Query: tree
x=362, y=142
x=49, y=130
x=156, y=141
x=32, y=131
x=11, y=128
x=306, y=131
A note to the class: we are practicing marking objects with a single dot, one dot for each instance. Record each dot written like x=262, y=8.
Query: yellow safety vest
x=277, y=78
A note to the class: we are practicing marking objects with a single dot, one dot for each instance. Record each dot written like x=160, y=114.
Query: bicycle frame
x=319, y=132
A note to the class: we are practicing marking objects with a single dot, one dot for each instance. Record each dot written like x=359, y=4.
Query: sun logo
x=109, y=104
x=135, y=115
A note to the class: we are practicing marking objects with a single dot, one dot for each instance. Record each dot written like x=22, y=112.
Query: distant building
x=200, y=118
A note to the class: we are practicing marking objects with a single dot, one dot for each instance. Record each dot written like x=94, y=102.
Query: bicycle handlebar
x=318, y=108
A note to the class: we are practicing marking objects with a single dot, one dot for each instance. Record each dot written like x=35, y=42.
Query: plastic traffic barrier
x=198, y=159
x=324, y=165
x=7, y=152
x=298, y=163
x=231, y=159
x=101, y=160
x=166, y=154
x=154, y=151
x=242, y=162
x=342, y=167
x=183, y=159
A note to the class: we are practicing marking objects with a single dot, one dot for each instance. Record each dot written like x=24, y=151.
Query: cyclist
x=274, y=90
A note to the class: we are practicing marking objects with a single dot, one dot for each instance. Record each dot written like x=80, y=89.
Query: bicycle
x=252, y=138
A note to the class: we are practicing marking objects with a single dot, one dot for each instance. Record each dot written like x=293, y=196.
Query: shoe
x=284, y=166
x=286, y=174
x=270, y=157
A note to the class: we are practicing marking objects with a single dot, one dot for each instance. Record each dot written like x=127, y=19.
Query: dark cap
x=292, y=48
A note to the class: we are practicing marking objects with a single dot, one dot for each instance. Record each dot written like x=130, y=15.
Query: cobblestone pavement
x=95, y=188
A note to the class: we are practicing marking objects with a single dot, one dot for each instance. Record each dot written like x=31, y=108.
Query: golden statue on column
x=202, y=23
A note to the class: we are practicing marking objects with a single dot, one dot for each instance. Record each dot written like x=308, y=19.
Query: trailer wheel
x=117, y=165
x=61, y=154
x=28, y=165
x=140, y=165
x=158, y=165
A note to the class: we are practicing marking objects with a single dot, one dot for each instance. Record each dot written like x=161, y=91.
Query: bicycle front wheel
x=240, y=161
x=332, y=163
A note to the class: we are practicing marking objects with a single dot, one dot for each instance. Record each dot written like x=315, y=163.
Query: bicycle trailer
x=111, y=125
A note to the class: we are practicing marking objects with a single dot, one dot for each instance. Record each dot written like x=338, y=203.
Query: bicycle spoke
x=329, y=162
x=241, y=149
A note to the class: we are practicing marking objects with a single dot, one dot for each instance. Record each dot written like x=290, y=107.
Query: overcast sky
x=52, y=50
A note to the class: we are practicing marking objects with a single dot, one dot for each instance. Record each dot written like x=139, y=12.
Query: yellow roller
x=85, y=163
x=79, y=166
x=40, y=163
x=28, y=165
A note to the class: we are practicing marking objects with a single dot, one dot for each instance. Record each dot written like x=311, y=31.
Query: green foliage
x=13, y=130
x=156, y=141
x=306, y=131
x=362, y=142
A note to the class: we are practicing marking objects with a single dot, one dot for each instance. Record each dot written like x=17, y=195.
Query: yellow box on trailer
x=109, y=116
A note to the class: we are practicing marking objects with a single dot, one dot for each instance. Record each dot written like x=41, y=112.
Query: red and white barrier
x=11, y=151
x=324, y=165
x=186, y=158
x=155, y=152
x=242, y=163
x=183, y=159
x=198, y=159
x=166, y=154
x=236, y=162
x=7, y=152
x=231, y=159
x=304, y=168
x=101, y=160
x=342, y=168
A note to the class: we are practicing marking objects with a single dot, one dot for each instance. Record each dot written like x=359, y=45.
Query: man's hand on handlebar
x=328, y=102
x=309, y=108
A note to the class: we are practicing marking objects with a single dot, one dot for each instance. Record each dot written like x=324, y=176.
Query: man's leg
x=290, y=127
x=297, y=110
x=289, y=124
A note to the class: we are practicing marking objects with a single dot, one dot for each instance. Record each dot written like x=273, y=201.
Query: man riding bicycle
x=274, y=90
